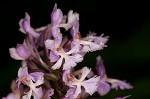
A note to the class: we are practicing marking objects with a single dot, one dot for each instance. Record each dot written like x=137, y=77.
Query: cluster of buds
x=48, y=60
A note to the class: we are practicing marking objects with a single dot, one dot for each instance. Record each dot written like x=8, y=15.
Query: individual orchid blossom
x=32, y=80
x=87, y=44
x=70, y=60
x=93, y=43
x=89, y=85
x=49, y=60
x=25, y=27
x=72, y=18
x=104, y=83
x=21, y=52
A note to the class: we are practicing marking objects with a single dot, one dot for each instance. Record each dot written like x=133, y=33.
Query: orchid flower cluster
x=48, y=60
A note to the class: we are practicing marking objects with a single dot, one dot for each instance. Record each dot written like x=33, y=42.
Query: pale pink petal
x=86, y=49
x=85, y=71
x=58, y=64
x=24, y=22
x=91, y=85
x=40, y=80
x=49, y=44
x=14, y=54
x=23, y=71
x=56, y=34
x=25, y=27
x=77, y=91
x=69, y=63
x=72, y=18
x=78, y=57
x=37, y=93
x=22, y=51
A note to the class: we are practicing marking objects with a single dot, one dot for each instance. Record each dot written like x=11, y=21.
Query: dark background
x=128, y=25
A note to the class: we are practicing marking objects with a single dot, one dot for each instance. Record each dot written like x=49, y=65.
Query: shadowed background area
x=128, y=25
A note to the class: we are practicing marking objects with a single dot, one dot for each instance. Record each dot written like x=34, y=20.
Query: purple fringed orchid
x=32, y=80
x=104, y=82
x=69, y=57
x=49, y=60
x=90, y=85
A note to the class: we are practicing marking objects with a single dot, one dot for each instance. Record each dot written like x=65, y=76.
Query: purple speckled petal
x=75, y=29
x=25, y=24
x=35, y=75
x=53, y=57
x=14, y=54
x=23, y=51
x=56, y=16
x=56, y=35
x=25, y=27
x=100, y=67
x=103, y=88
